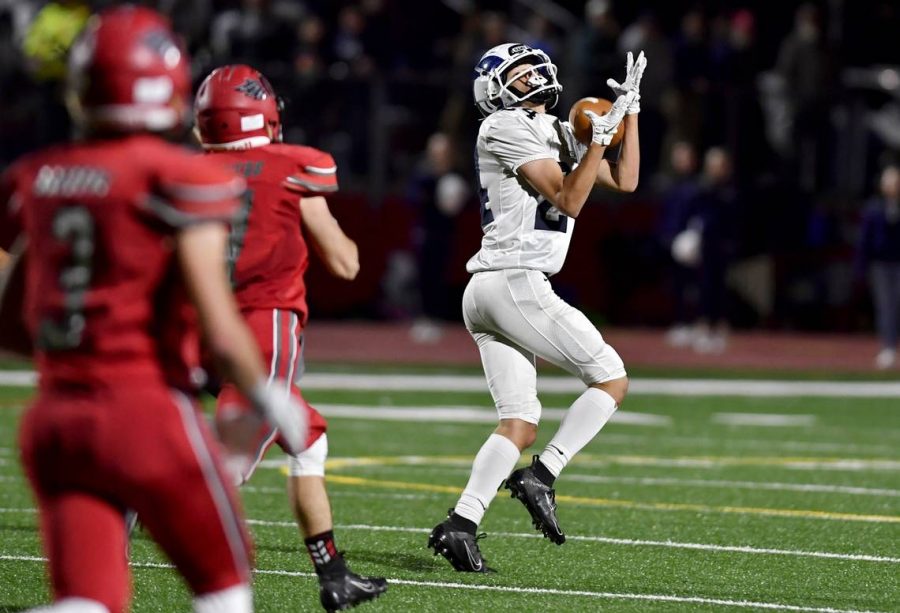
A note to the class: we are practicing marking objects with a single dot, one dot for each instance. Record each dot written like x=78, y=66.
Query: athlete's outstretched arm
x=568, y=193
x=622, y=176
x=337, y=250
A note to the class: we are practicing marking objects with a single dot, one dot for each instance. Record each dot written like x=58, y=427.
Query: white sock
x=584, y=419
x=493, y=463
x=235, y=599
x=72, y=605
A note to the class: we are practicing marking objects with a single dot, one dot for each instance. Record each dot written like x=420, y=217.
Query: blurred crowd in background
x=770, y=136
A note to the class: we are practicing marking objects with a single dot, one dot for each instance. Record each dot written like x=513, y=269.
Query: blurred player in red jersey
x=238, y=121
x=123, y=232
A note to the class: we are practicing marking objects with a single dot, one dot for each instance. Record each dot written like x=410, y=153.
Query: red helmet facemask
x=128, y=71
x=236, y=108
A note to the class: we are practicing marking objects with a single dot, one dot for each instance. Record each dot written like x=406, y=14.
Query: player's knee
x=617, y=388
x=525, y=408
x=311, y=461
x=521, y=433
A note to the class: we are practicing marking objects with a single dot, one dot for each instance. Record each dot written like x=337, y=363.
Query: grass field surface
x=684, y=503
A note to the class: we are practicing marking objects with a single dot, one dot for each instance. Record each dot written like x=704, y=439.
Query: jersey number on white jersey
x=487, y=215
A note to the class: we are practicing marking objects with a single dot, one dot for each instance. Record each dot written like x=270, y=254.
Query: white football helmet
x=491, y=86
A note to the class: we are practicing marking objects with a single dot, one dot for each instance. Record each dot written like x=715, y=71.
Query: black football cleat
x=346, y=589
x=459, y=547
x=539, y=499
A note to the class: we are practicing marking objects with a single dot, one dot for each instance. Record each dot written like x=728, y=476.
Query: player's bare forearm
x=344, y=263
x=14, y=339
x=230, y=341
x=622, y=175
x=338, y=251
x=568, y=193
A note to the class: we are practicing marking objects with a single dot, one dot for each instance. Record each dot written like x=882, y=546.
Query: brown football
x=582, y=125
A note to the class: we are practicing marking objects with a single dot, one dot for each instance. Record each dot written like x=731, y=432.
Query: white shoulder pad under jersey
x=521, y=229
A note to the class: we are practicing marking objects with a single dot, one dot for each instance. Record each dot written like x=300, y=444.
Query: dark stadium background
x=371, y=80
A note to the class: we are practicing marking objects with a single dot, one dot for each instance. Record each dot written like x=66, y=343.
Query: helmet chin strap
x=548, y=97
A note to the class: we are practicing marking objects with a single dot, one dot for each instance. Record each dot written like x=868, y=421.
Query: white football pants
x=514, y=315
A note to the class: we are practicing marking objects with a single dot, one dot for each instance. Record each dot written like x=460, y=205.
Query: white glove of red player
x=634, y=70
x=604, y=127
x=282, y=411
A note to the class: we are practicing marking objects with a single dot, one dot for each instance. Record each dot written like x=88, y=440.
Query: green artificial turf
x=648, y=509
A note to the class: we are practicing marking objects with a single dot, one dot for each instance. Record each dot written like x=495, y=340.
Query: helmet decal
x=237, y=107
x=253, y=88
x=162, y=44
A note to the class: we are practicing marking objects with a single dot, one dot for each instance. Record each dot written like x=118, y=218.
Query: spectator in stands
x=45, y=49
x=646, y=34
x=879, y=254
x=349, y=45
x=541, y=34
x=736, y=67
x=260, y=33
x=594, y=53
x=805, y=66
x=678, y=191
x=714, y=211
x=692, y=77
x=440, y=193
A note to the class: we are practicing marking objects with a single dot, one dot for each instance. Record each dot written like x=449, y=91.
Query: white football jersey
x=521, y=229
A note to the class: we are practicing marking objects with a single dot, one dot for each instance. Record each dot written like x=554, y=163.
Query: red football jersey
x=103, y=297
x=267, y=253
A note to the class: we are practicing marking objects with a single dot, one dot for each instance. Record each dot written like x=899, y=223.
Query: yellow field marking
x=400, y=485
x=632, y=504
x=401, y=460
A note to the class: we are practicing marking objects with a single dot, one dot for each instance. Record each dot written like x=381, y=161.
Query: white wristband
x=260, y=396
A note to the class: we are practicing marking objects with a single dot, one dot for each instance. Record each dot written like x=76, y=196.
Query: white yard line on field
x=18, y=378
x=744, y=604
x=468, y=414
x=744, y=549
x=466, y=467
x=657, y=438
x=835, y=464
x=592, y=460
x=264, y=489
x=745, y=485
x=663, y=387
x=763, y=419
x=858, y=557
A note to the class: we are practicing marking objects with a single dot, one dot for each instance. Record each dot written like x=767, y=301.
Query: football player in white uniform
x=534, y=178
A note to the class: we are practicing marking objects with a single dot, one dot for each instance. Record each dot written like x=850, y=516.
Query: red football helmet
x=128, y=71
x=237, y=108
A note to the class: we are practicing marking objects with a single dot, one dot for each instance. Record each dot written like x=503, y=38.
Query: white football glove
x=634, y=70
x=604, y=127
x=281, y=410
